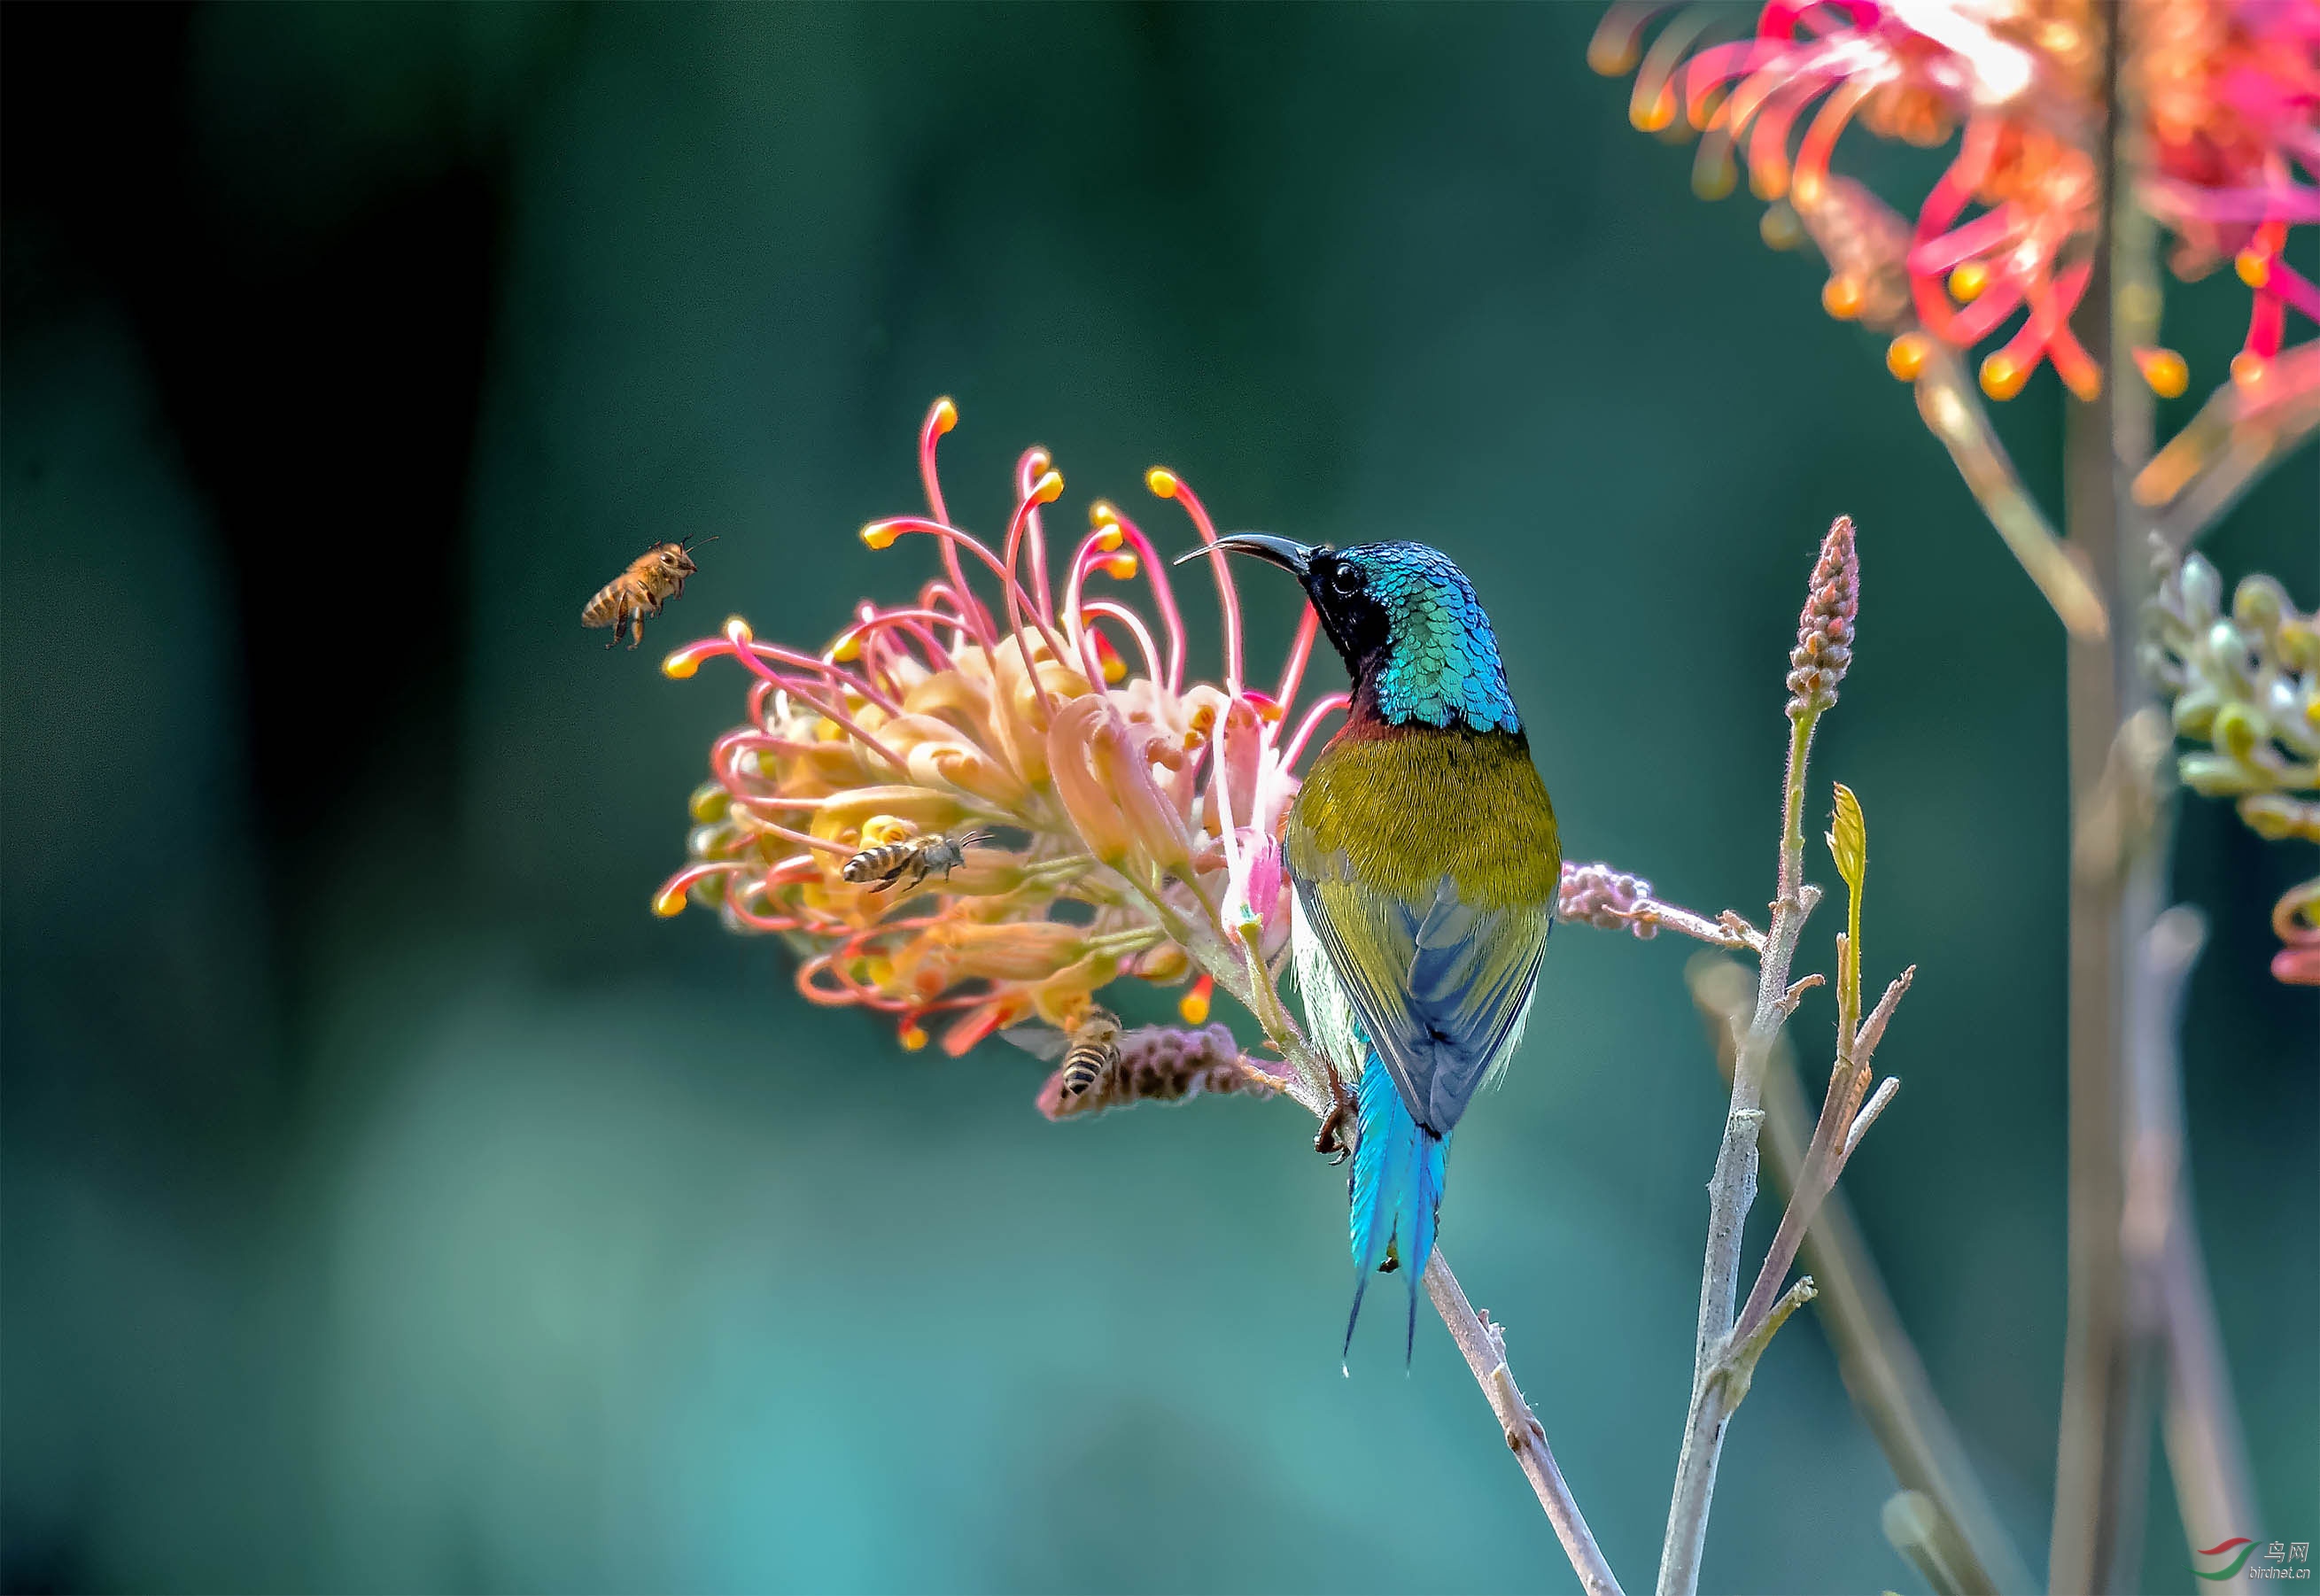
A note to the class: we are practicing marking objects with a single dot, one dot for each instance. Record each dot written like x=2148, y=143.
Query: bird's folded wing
x=1440, y=986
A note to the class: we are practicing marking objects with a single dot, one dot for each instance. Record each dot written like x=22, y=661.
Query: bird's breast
x=1398, y=808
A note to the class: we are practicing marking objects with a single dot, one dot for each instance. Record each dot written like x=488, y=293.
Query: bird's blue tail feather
x=1397, y=1189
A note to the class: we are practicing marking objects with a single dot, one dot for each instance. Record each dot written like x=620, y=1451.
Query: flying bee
x=1089, y=1051
x=917, y=857
x=652, y=579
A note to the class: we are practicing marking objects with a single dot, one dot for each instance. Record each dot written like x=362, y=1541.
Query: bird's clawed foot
x=1332, y=1142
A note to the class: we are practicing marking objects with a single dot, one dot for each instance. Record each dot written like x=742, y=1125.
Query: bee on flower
x=1019, y=694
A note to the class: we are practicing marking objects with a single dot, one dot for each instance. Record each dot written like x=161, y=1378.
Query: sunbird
x=1423, y=850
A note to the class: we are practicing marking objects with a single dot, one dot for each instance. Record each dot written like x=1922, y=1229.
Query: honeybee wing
x=1041, y=1041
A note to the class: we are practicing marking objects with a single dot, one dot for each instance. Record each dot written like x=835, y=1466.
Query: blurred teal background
x=392, y=1203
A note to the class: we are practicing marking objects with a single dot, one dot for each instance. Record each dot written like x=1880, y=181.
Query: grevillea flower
x=1135, y=809
x=2226, y=156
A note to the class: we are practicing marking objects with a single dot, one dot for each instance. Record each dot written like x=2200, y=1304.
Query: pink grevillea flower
x=2231, y=95
x=1135, y=809
x=2004, y=242
x=2296, y=919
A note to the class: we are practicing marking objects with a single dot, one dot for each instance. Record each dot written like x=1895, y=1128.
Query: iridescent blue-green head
x=1413, y=635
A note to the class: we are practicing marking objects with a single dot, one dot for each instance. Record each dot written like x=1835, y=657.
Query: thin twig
x=1874, y=1355
x=2205, y=1452
x=1484, y=1345
x=1952, y=411
x=1824, y=1160
x=1732, y=1191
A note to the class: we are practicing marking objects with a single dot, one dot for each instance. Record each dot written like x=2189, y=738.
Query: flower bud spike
x=1825, y=630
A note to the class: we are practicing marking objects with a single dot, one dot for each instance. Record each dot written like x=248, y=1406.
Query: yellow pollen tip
x=679, y=666
x=2254, y=269
x=1195, y=1004
x=2248, y=368
x=827, y=731
x=1841, y=296
x=1161, y=481
x=1115, y=670
x=1120, y=567
x=1968, y=281
x=1780, y=228
x=2164, y=370
x=1610, y=58
x=1768, y=180
x=913, y=1038
x=1614, y=56
x=879, y=971
x=2001, y=378
x=1905, y=357
x=669, y=903
x=736, y=630
x=1805, y=191
x=946, y=414
x=1656, y=116
x=1049, y=488
x=1108, y=537
x=879, y=535
x=847, y=648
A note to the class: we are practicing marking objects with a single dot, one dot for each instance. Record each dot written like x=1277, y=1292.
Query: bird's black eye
x=1345, y=581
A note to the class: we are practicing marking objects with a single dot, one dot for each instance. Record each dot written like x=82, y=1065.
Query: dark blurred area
x=392, y=1203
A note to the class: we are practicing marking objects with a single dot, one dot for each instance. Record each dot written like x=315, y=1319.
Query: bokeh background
x=392, y=1203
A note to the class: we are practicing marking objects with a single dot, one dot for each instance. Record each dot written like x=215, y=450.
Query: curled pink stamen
x=1045, y=491
x=1028, y=470
x=1136, y=628
x=1164, y=594
x=745, y=650
x=1293, y=671
x=941, y=417
x=1294, y=748
x=1168, y=484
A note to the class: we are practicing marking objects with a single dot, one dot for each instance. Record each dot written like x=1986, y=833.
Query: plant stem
x=2102, y=1465
x=2204, y=1451
x=1485, y=1346
x=1952, y=411
x=1874, y=1354
x=1732, y=1191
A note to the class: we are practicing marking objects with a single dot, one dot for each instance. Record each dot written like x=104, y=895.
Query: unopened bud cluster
x=1607, y=899
x=2246, y=685
x=1825, y=630
x=1161, y=1064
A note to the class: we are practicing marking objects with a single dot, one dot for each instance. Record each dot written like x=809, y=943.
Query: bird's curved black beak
x=1294, y=557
